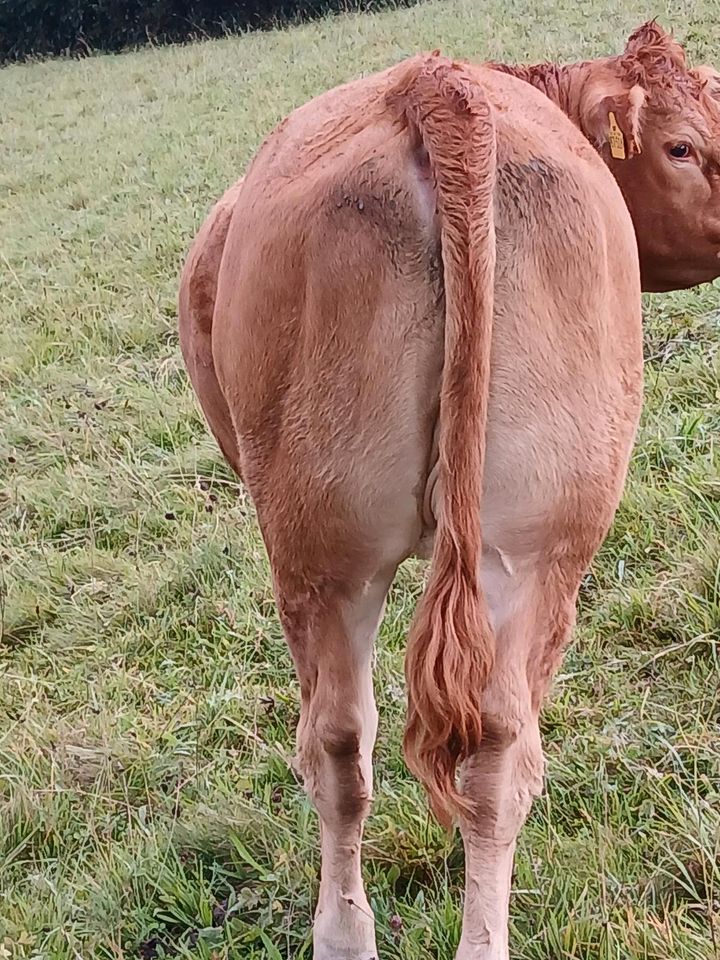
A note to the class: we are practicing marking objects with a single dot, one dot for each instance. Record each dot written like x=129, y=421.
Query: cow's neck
x=561, y=84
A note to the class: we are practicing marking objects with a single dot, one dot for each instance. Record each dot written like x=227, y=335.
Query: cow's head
x=657, y=123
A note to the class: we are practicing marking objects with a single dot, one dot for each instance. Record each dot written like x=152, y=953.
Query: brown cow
x=424, y=336
x=660, y=106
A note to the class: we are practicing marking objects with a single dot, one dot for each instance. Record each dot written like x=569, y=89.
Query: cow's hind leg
x=331, y=636
x=533, y=609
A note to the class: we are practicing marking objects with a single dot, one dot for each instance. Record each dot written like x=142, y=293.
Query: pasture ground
x=147, y=701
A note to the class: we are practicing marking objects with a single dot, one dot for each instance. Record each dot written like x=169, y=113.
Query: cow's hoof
x=349, y=936
x=333, y=950
x=335, y=953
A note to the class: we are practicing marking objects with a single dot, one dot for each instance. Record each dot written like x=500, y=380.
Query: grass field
x=147, y=701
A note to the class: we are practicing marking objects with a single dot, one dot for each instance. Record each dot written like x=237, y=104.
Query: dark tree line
x=77, y=27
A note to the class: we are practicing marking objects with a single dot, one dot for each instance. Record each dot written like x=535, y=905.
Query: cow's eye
x=680, y=151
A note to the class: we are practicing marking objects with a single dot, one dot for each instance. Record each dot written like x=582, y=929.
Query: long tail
x=451, y=645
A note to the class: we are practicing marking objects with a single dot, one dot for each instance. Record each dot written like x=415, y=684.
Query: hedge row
x=77, y=27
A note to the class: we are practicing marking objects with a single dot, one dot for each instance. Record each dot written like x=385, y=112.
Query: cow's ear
x=710, y=79
x=612, y=119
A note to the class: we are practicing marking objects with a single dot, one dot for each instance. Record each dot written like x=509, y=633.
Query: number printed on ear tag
x=617, y=140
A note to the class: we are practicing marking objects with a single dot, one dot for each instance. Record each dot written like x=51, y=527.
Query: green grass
x=147, y=700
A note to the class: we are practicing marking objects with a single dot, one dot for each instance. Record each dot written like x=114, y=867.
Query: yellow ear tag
x=617, y=140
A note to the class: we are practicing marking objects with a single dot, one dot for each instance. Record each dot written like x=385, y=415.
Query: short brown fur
x=418, y=331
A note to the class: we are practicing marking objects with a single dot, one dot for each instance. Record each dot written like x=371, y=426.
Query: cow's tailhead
x=657, y=123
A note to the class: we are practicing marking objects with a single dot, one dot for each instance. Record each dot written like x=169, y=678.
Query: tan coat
x=426, y=335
